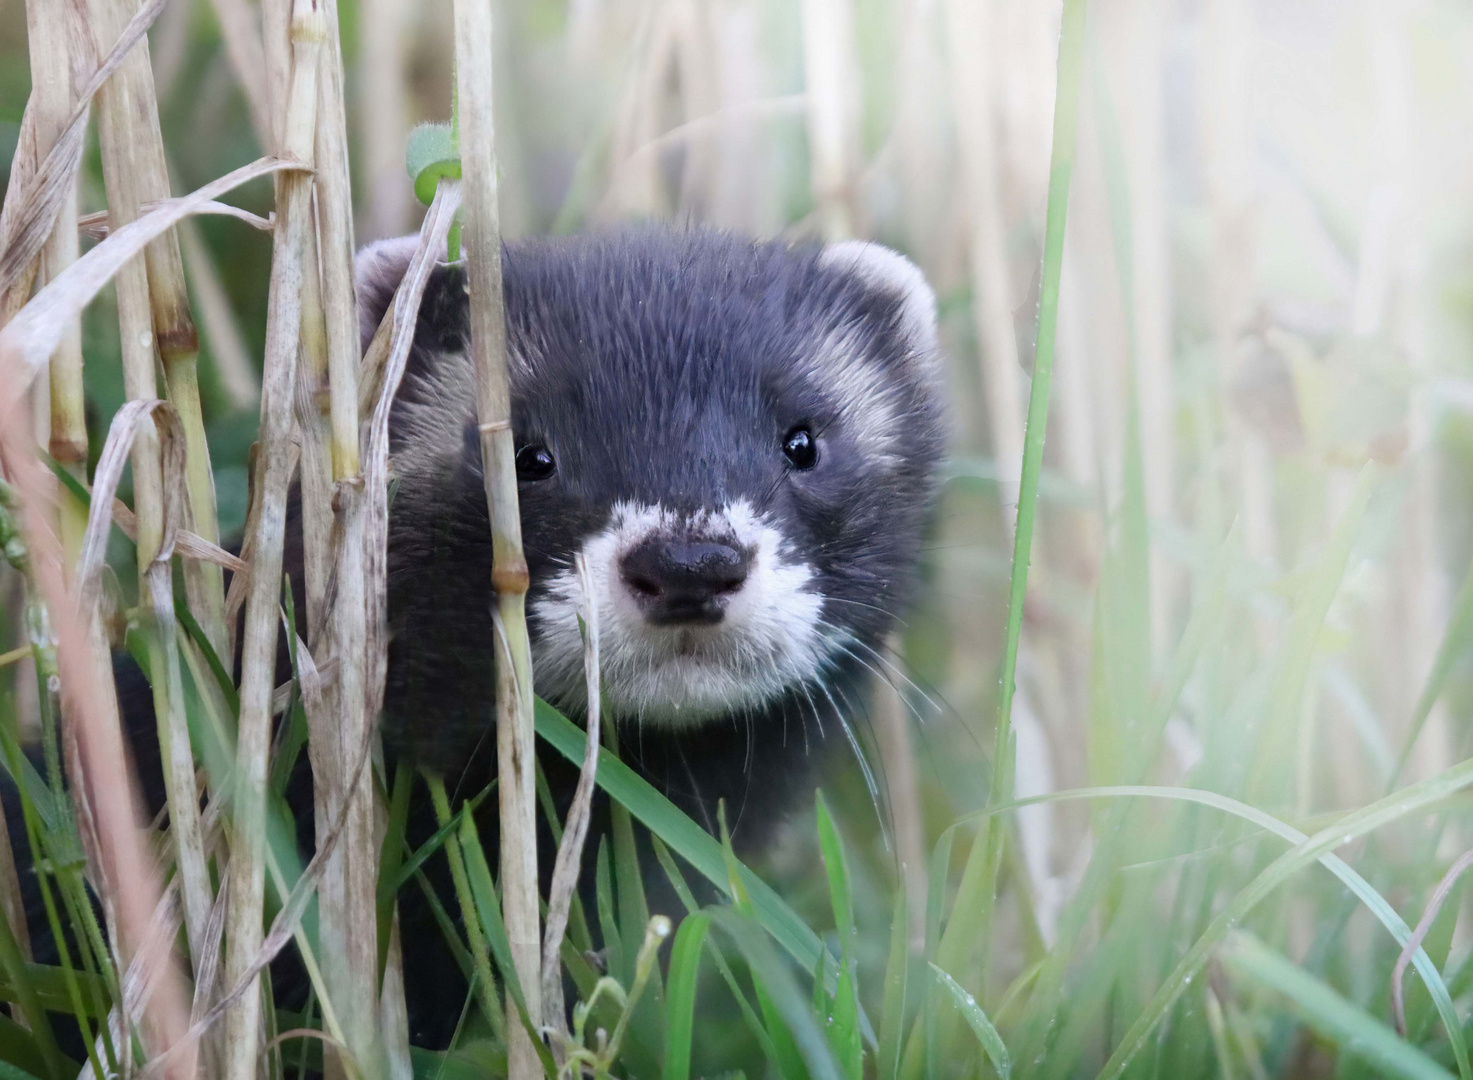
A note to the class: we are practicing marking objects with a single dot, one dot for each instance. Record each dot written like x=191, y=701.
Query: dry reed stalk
x=29, y=339
x=831, y=74
x=51, y=54
x=390, y=353
x=393, y=1014
x=13, y=297
x=350, y=883
x=258, y=656
x=314, y=475
x=23, y=167
x=575, y=829
x=175, y=334
x=383, y=113
x=314, y=470
x=287, y=925
x=970, y=48
x=383, y=366
x=228, y=350
x=101, y=787
x=32, y=210
x=95, y=225
x=277, y=67
x=514, y=736
x=139, y=164
x=186, y=543
x=122, y=101
x=1424, y=925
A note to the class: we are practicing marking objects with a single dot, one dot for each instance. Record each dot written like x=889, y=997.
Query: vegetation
x=1166, y=776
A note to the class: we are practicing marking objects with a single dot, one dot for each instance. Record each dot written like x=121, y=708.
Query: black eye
x=801, y=448
x=535, y=463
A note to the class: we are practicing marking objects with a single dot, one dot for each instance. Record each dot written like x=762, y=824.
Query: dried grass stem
x=258, y=656
x=514, y=734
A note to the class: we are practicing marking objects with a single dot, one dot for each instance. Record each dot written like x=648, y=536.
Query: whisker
x=816, y=719
x=871, y=782
x=899, y=672
x=883, y=678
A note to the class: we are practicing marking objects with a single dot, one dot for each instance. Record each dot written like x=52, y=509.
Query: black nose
x=683, y=581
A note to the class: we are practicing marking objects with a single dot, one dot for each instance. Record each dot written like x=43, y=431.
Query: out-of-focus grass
x=1273, y=195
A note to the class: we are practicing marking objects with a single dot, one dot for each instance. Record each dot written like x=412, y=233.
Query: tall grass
x=1180, y=798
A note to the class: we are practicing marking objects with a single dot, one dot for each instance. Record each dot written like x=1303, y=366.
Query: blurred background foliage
x=1268, y=288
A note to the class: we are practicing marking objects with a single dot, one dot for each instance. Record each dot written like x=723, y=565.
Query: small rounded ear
x=890, y=272
x=377, y=271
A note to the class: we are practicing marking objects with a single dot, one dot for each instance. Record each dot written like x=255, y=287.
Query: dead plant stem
x=51, y=66
x=123, y=101
x=514, y=735
x=258, y=658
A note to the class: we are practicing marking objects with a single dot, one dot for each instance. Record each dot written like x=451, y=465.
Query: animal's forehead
x=663, y=321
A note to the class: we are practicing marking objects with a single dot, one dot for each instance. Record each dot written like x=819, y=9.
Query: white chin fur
x=770, y=640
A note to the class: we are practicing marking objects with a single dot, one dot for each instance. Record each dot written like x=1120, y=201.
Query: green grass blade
x=648, y=1018
x=1348, y=828
x=680, y=994
x=844, y=1032
x=897, y=969
x=1061, y=168
x=390, y=886
x=484, y=983
x=677, y=879
x=391, y=859
x=976, y=1019
x=14, y=966
x=1205, y=629
x=835, y=865
x=973, y=911
x=1378, y=905
x=614, y=959
x=1358, y=1033
x=687, y=898
x=687, y=839
x=18, y=1051
x=920, y=1048
x=780, y=990
x=1276, y=750
x=789, y=1058
x=488, y=910
x=202, y=643
x=823, y=1005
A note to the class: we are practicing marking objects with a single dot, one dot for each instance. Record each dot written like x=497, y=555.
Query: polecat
x=743, y=439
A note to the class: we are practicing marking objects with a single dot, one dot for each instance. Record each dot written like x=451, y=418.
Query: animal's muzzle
x=684, y=581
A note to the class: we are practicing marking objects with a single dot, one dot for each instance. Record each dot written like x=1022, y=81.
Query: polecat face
x=742, y=438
